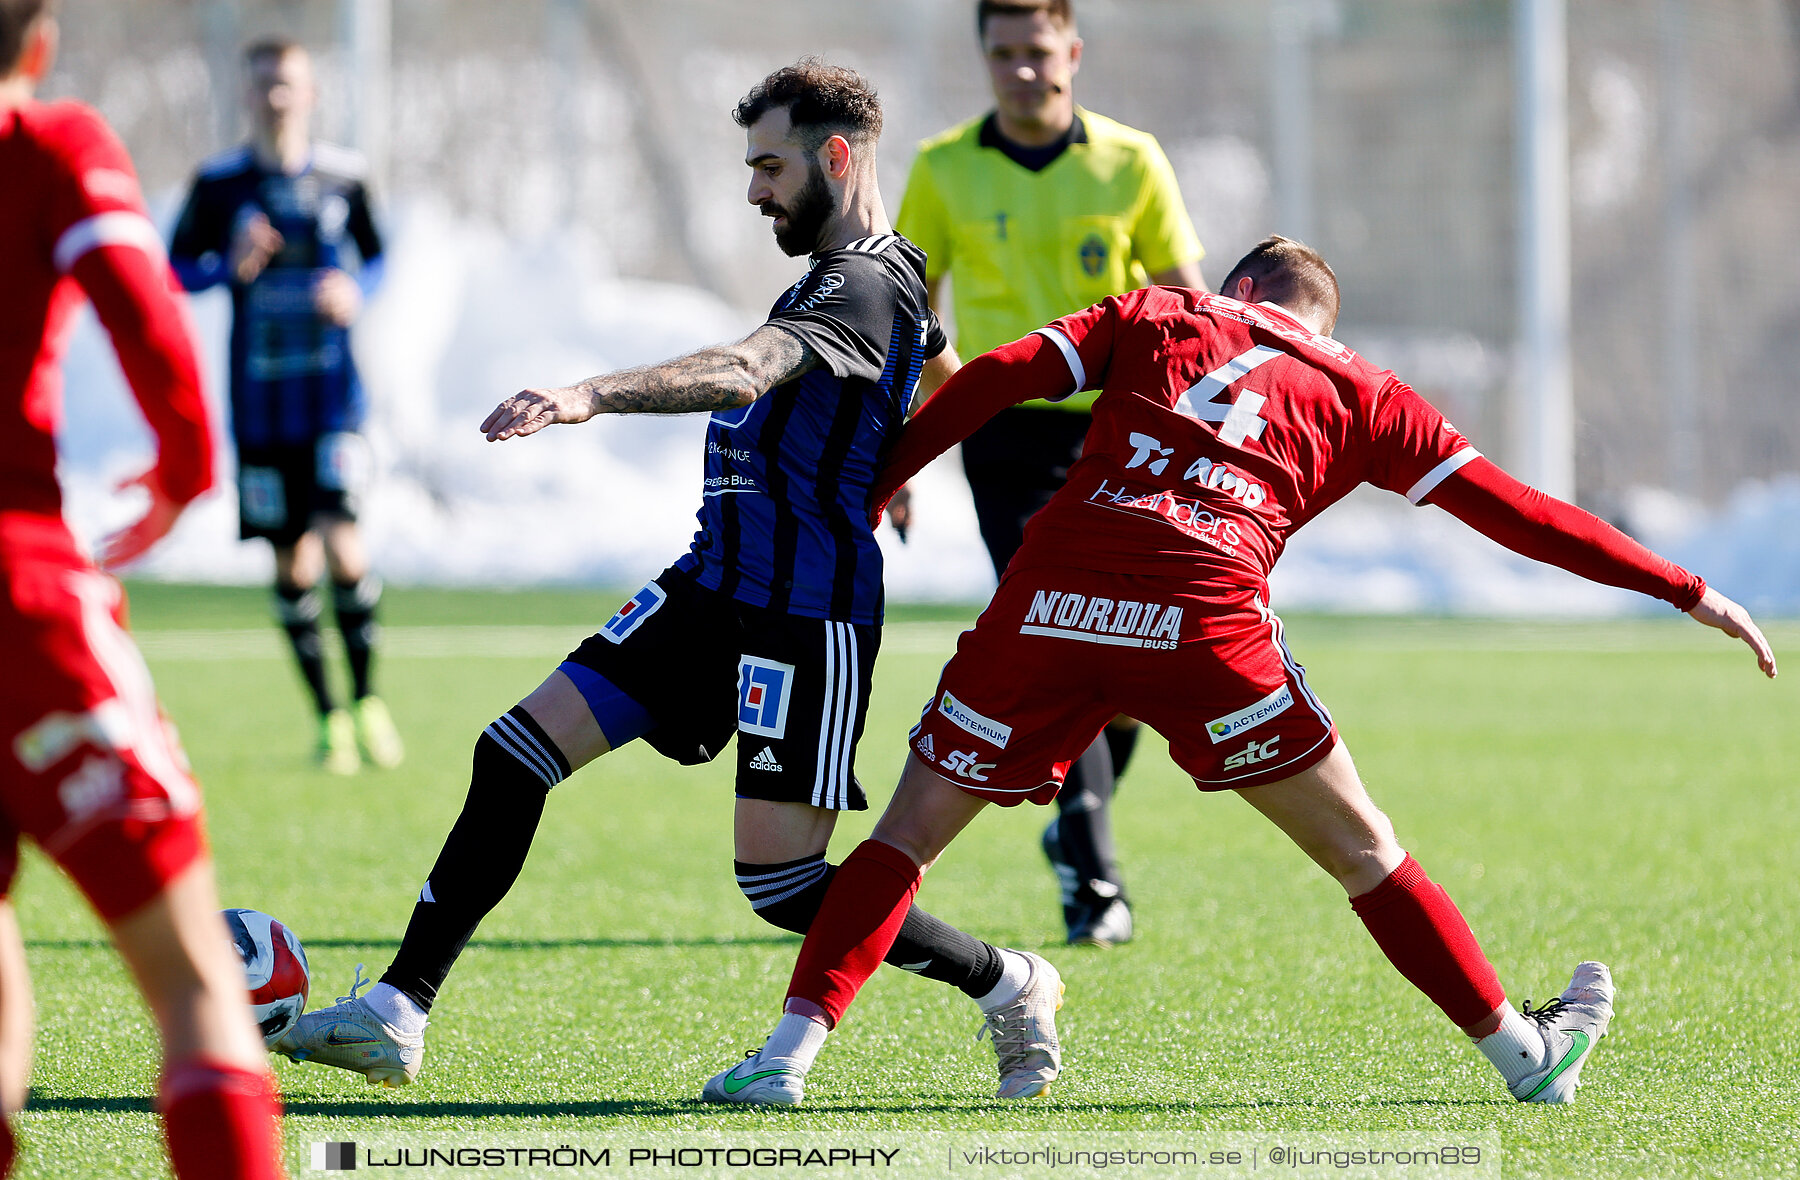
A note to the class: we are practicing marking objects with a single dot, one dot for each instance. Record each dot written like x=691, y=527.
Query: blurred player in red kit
x=90, y=769
x=1224, y=423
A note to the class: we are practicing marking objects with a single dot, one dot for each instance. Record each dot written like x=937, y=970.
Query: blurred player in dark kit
x=90, y=770
x=1033, y=210
x=278, y=219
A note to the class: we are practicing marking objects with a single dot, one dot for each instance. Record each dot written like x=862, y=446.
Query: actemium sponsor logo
x=1223, y=728
x=975, y=723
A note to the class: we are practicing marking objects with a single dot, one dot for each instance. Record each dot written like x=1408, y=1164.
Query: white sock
x=1015, y=973
x=1516, y=1048
x=794, y=1044
x=397, y=1009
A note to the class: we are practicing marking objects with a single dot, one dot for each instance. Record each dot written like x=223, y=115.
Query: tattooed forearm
x=715, y=378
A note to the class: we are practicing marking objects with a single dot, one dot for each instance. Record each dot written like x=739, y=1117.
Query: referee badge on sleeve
x=763, y=690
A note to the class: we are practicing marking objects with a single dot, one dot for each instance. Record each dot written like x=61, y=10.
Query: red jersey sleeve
x=97, y=201
x=103, y=237
x=1024, y=370
x=1546, y=529
x=1412, y=448
x=1086, y=339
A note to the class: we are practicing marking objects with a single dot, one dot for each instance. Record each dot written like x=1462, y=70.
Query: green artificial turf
x=1619, y=791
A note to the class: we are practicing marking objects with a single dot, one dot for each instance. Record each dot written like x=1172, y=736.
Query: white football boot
x=1572, y=1025
x=1023, y=1034
x=351, y=1036
x=749, y=1083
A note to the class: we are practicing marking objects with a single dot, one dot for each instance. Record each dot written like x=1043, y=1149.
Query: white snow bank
x=466, y=317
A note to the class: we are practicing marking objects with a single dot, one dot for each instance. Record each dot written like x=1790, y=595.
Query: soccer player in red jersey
x=1224, y=423
x=90, y=769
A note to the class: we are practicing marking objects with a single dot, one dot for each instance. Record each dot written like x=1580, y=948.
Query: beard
x=806, y=215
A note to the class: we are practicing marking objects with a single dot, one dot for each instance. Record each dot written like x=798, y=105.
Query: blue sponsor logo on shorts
x=763, y=690
x=1251, y=716
x=631, y=616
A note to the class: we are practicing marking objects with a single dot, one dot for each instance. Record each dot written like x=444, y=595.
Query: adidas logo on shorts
x=765, y=760
x=927, y=750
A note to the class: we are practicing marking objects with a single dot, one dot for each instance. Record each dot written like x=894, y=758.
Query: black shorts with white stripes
x=704, y=666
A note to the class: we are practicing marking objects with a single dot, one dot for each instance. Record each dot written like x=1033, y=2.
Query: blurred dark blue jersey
x=784, y=523
x=292, y=376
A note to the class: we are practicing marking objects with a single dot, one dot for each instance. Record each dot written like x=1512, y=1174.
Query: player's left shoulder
x=73, y=130
x=84, y=146
x=339, y=163
x=873, y=258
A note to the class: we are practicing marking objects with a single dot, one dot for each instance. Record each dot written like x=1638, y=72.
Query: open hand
x=530, y=410
x=134, y=540
x=1716, y=610
x=900, y=511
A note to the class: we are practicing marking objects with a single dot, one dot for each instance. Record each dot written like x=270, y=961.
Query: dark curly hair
x=822, y=100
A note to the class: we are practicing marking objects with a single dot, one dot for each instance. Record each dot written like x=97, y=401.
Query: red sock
x=8, y=1150
x=1423, y=934
x=856, y=926
x=222, y=1122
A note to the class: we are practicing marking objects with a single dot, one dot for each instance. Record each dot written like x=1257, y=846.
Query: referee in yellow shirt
x=1035, y=210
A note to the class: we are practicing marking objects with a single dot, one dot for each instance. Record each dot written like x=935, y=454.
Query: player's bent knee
x=514, y=748
x=786, y=895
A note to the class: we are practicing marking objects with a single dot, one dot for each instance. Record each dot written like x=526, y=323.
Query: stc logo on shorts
x=1249, y=717
x=962, y=764
x=763, y=690
x=1116, y=622
x=631, y=616
x=982, y=727
x=1253, y=753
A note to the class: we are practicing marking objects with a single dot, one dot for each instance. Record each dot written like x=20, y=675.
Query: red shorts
x=1060, y=652
x=91, y=770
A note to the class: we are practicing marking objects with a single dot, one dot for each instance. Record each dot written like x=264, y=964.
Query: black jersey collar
x=1032, y=159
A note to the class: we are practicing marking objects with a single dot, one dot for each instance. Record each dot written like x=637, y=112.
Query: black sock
x=297, y=607
x=1121, y=742
x=1085, y=825
x=516, y=764
x=788, y=895
x=355, y=604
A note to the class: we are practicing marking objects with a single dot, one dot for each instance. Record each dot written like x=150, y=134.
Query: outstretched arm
x=1527, y=521
x=1013, y=373
x=716, y=378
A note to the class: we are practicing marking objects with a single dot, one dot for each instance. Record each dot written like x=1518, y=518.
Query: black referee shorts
x=1015, y=463
x=704, y=666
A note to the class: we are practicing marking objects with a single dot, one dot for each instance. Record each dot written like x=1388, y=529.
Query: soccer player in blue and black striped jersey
x=285, y=221
x=766, y=628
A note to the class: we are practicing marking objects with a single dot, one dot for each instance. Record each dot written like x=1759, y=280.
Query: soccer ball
x=274, y=968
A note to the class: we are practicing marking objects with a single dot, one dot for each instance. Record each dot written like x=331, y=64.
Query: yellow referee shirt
x=1026, y=247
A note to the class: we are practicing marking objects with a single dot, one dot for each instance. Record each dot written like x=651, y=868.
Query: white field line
x=429, y=643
